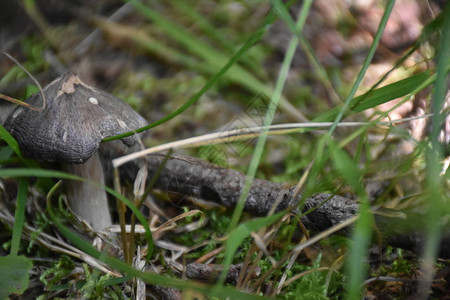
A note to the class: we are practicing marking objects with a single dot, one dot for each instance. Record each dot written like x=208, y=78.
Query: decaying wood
x=197, y=178
x=200, y=179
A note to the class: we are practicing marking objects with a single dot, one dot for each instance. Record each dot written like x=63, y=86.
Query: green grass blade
x=359, y=78
x=357, y=255
x=14, y=275
x=7, y=137
x=391, y=91
x=408, y=86
x=436, y=200
x=19, y=218
x=275, y=99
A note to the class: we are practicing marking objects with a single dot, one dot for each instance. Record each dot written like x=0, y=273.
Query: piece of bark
x=211, y=272
x=197, y=178
x=200, y=179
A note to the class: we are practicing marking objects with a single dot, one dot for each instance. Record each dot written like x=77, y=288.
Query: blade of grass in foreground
x=269, y=117
x=19, y=218
x=357, y=256
x=7, y=137
x=437, y=204
x=362, y=231
x=356, y=268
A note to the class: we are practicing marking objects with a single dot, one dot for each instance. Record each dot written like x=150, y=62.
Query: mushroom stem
x=88, y=201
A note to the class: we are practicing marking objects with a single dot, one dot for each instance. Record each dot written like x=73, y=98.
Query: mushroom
x=69, y=131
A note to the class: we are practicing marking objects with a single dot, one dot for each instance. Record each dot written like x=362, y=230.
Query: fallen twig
x=197, y=178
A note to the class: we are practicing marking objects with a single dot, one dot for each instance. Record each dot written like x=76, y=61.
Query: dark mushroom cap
x=70, y=128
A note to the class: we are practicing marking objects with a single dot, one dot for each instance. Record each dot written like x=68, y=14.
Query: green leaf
x=14, y=278
x=356, y=269
x=7, y=137
x=436, y=189
x=382, y=95
x=356, y=266
x=390, y=92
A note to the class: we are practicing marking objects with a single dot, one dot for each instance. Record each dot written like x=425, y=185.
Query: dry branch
x=200, y=179
x=197, y=178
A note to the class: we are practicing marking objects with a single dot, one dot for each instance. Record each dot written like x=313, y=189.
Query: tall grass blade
x=366, y=64
x=356, y=266
x=275, y=99
x=436, y=201
x=19, y=218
